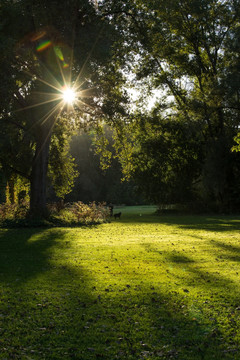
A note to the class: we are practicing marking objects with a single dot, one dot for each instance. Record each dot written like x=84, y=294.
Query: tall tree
x=46, y=49
x=189, y=51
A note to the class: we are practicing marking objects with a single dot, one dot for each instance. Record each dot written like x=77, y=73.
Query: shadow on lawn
x=21, y=258
x=43, y=302
x=68, y=315
x=209, y=293
x=194, y=222
x=231, y=252
x=208, y=223
x=199, y=277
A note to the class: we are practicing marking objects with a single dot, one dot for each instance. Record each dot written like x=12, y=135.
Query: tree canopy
x=187, y=51
x=48, y=48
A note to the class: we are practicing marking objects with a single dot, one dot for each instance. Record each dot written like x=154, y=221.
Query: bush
x=85, y=214
x=60, y=214
x=14, y=211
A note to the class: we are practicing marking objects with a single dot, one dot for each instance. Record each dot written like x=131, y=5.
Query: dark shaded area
x=21, y=258
x=209, y=223
x=232, y=252
x=180, y=259
x=94, y=183
x=212, y=223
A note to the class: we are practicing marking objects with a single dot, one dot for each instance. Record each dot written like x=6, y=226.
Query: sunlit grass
x=142, y=287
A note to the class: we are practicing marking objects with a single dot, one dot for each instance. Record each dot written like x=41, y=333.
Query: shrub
x=14, y=211
x=60, y=214
x=88, y=213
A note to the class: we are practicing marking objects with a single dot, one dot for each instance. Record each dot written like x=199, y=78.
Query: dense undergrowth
x=58, y=214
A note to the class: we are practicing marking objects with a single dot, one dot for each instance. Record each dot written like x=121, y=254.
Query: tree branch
x=14, y=170
x=13, y=122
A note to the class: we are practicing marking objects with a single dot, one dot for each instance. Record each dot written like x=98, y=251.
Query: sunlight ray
x=61, y=71
x=46, y=93
x=45, y=117
x=57, y=97
x=58, y=84
x=77, y=87
x=86, y=104
x=52, y=111
x=85, y=91
x=46, y=82
x=67, y=95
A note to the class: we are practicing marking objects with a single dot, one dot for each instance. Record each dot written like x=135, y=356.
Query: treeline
x=96, y=184
x=180, y=151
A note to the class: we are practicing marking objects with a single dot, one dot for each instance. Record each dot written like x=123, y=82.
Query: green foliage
x=59, y=214
x=32, y=81
x=17, y=189
x=88, y=214
x=78, y=213
x=94, y=182
x=100, y=142
x=165, y=158
x=189, y=52
x=15, y=211
x=236, y=147
x=62, y=168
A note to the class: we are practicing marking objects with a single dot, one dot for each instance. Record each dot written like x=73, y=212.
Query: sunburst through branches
x=64, y=94
x=69, y=95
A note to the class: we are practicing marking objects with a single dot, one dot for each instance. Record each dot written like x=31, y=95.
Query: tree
x=166, y=159
x=94, y=182
x=189, y=51
x=36, y=65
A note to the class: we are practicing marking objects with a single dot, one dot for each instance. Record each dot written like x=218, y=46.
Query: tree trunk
x=38, y=179
x=11, y=189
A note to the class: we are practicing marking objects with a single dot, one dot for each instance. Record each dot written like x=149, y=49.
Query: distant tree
x=95, y=183
x=166, y=160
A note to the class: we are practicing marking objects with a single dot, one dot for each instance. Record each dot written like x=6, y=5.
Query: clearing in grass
x=140, y=287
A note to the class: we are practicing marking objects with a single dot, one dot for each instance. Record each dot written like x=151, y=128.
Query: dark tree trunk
x=38, y=179
x=11, y=189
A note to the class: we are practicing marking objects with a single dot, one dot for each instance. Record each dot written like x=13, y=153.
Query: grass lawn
x=142, y=287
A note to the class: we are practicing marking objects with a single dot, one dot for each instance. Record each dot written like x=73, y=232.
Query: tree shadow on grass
x=199, y=276
x=206, y=295
x=208, y=223
x=180, y=259
x=189, y=222
x=53, y=309
x=25, y=252
x=43, y=300
x=231, y=252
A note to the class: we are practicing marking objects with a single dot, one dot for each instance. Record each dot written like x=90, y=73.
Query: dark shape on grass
x=117, y=215
x=111, y=209
x=180, y=259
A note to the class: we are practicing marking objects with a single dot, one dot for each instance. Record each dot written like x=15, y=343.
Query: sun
x=69, y=95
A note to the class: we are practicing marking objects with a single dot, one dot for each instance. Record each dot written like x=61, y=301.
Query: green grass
x=142, y=287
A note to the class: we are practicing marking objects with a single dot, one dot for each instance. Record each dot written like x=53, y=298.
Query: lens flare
x=69, y=95
x=44, y=45
x=65, y=95
x=59, y=55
